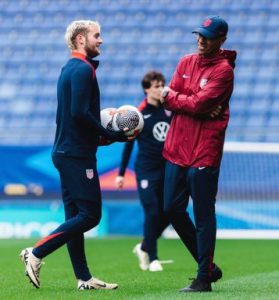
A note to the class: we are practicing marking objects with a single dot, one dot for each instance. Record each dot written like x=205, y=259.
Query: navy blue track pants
x=201, y=184
x=155, y=220
x=82, y=205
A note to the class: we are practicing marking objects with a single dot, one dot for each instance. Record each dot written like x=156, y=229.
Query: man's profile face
x=209, y=47
x=93, y=41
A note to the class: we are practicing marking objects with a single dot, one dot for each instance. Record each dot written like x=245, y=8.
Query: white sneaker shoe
x=32, y=266
x=142, y=256
x=155, y=266
x=96, y=284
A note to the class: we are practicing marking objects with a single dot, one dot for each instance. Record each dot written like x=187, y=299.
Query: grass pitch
x=251, y=271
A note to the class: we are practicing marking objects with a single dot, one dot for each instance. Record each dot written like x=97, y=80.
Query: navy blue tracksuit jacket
x=78, y=111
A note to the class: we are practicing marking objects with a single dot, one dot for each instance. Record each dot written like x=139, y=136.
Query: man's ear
x=223, y=39
x=80, y=39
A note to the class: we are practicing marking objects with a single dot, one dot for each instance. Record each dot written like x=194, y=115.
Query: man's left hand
x=164, y=94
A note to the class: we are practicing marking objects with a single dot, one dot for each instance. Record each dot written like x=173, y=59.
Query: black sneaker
x=197, y=286
x=216, y=274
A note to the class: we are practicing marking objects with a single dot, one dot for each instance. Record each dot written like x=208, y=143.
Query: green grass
x=251, y=271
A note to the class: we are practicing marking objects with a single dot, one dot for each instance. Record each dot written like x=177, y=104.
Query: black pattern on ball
x=109, y=126
x=128, y=119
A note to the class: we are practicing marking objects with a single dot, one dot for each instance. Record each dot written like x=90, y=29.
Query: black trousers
x=155, y=220
x=201, y=184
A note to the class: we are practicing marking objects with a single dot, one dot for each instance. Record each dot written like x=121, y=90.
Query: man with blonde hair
x=74, y=155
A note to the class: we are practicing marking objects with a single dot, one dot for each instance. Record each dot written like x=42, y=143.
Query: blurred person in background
x=150, y=169
x=199, y=95
x=74, y=155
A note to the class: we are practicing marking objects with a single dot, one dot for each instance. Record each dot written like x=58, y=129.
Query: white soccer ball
x=128, y=116
x=107, y=116
x=106, y=121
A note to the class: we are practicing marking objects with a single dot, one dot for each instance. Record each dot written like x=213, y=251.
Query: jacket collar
x=81, y=56
x=229, y=55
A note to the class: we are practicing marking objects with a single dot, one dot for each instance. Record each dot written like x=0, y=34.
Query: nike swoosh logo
x=201, y=168
x=185, y=76
x=147, y=116
x=101, y=285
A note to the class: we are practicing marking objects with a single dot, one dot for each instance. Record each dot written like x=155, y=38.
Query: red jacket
x=200, y=85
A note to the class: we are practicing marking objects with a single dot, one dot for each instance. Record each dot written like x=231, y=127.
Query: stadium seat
x=138, y=36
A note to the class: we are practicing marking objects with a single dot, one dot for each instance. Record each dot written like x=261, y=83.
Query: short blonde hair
x=77, y=27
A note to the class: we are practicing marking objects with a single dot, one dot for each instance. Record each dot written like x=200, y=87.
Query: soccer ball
x=128, y=116
x=107, y=116
x=106, y=121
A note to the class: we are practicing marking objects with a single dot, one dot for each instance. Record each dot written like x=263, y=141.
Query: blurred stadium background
x=139, y=35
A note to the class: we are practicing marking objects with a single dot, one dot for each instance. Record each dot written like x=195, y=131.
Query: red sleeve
x=217, y=90
x=177, y=80
x=142, y=105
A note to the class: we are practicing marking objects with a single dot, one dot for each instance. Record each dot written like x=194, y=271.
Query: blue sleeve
x=126, y=154
x=81, y=80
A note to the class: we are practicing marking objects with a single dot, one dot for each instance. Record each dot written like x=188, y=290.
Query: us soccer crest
x=144, y=183
x=168, y=113
x=89, y=173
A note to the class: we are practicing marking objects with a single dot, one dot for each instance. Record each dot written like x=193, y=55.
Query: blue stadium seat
x=138, y=36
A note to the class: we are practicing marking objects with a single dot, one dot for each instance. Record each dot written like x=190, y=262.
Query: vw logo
x=160, y=130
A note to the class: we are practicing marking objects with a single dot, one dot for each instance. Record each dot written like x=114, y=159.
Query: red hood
x=229, y=55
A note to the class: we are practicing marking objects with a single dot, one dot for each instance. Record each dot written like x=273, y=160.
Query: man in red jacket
x=202, y=82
